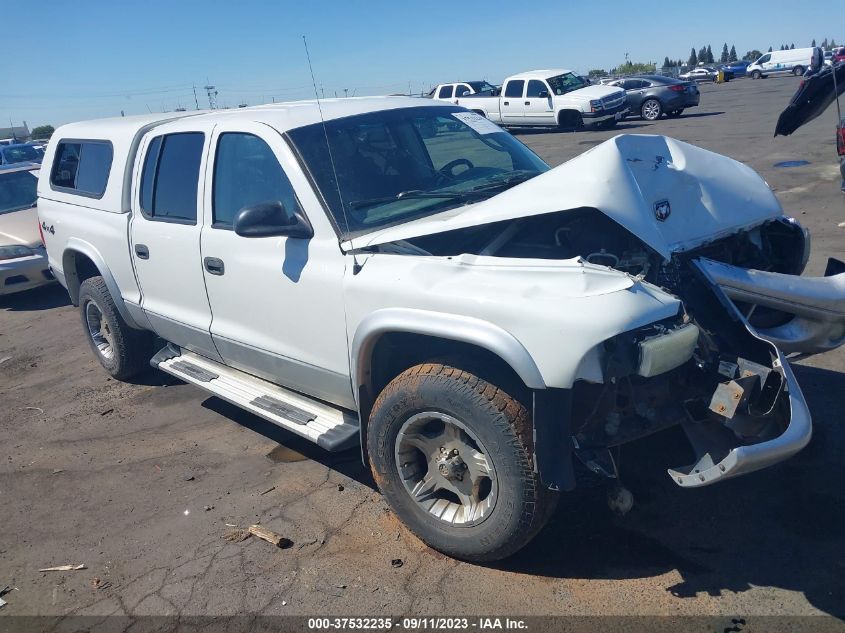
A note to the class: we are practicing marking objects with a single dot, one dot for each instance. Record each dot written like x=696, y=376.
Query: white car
x=700, y=74
x=555, y=97
x=414, y=279
x=23, y=260
x=791, y=61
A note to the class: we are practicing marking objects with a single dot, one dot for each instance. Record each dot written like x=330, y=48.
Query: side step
x=330, y=427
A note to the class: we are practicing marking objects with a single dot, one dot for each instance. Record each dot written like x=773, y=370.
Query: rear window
x=82, y=167
x=19, y=154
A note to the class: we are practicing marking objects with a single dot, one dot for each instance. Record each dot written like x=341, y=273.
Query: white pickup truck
x=555, y=97
x=406, y=275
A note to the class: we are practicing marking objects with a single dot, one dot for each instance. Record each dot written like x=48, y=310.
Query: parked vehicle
x=473, y=318
x=23, y=260
x=791, y=61
x=840, y=149
x=451, y=92
x=700, y=74
x=837, y=55
x=554, y=97
x=651, y=96
x=737, y=68
x=19, y=153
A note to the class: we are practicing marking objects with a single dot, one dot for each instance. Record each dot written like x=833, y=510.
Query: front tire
x=798, y=71
x=570, y=121
x=756, y=74
x=651, y=110
x=123, y=351
x=452, y=455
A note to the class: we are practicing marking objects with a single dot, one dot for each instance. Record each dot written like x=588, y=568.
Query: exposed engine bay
x=730, y=392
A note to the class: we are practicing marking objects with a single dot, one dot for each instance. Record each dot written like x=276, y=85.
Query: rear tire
x=651, y=110
x=424, y=424
x=123, y=351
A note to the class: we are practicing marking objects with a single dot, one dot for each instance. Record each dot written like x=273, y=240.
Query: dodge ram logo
x=662, y=210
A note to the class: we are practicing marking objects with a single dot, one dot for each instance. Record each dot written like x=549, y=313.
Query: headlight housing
x=595, y=105
x=15, y=251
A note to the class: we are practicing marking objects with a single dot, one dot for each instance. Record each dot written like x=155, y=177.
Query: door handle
x=214, y=265
x=142, y=251
x=527, y=103
x=507, y=103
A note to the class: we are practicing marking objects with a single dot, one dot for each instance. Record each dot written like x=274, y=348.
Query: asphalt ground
x=139, y=482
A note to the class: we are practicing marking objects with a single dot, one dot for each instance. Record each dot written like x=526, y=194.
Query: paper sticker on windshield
x=480, y=124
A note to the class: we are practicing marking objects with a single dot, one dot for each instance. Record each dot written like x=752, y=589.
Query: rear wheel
x=798, y=71
x=651, y=110
x=452, y=454
x=123, y=351
x=570, y=121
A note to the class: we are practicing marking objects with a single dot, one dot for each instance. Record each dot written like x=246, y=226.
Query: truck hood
x=671, y=195
x=593, y=92
x=19, y=227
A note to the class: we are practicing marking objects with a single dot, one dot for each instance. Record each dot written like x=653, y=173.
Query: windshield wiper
x=505, y=183
x=414, y=194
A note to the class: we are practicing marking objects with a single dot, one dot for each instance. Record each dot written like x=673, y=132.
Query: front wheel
x=756, y=74
x=651, y=110
x=570, y=121
x=798, y=71
x=123, y=351
x=452, y=454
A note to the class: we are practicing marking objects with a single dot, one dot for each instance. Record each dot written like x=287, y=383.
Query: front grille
x=613, y=101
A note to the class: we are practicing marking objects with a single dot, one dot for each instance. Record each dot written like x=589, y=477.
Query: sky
x=68, y=61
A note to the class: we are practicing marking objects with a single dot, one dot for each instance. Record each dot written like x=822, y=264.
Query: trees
x=633, y=68
x=710, y=59
x=692, y=62
x=770, y=49
x=666, y=62
x=753, y=55
x=597, y=72
x=42, y=132
x=814, y=43
x=724, y=57
x=732, y=54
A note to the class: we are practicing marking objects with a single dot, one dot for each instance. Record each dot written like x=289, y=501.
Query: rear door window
x=170, y=178
x=446, y=92
x=82, y=167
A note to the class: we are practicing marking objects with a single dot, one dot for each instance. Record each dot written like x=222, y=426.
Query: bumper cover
x=605, y=115
x=24, y=273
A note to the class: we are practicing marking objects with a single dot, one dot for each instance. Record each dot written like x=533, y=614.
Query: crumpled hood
x=633, y=179
x=19, y=227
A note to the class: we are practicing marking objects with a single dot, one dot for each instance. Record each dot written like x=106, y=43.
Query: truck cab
x=451, y=92
x=555, y=97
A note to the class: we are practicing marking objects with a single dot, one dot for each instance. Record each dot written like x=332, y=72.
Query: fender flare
x=75, y=245
x=464, y=329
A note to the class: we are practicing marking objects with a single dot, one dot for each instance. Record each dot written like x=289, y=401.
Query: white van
x=795, y=61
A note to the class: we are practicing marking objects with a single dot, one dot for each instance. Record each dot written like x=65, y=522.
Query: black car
x=651, y=96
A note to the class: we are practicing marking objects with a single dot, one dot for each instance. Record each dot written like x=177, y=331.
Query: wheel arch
x=428, y=334
x=81, y=261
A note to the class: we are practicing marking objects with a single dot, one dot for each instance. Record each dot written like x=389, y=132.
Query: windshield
x=398, y=165
x=19, y=153
x=17, y=191
x=567, y=82
x=482, y=86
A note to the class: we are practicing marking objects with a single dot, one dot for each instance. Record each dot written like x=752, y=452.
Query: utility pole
x=195, y=97
x=212, y=96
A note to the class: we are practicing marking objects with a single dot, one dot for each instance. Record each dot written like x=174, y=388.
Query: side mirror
x=271, y=219
x=544, y=94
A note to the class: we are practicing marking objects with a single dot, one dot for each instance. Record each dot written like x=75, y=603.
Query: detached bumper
x=746, y=459
x=24, y=273
x=816, y=305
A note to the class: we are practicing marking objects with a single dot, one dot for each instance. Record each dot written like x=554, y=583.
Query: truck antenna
x=356, y=266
